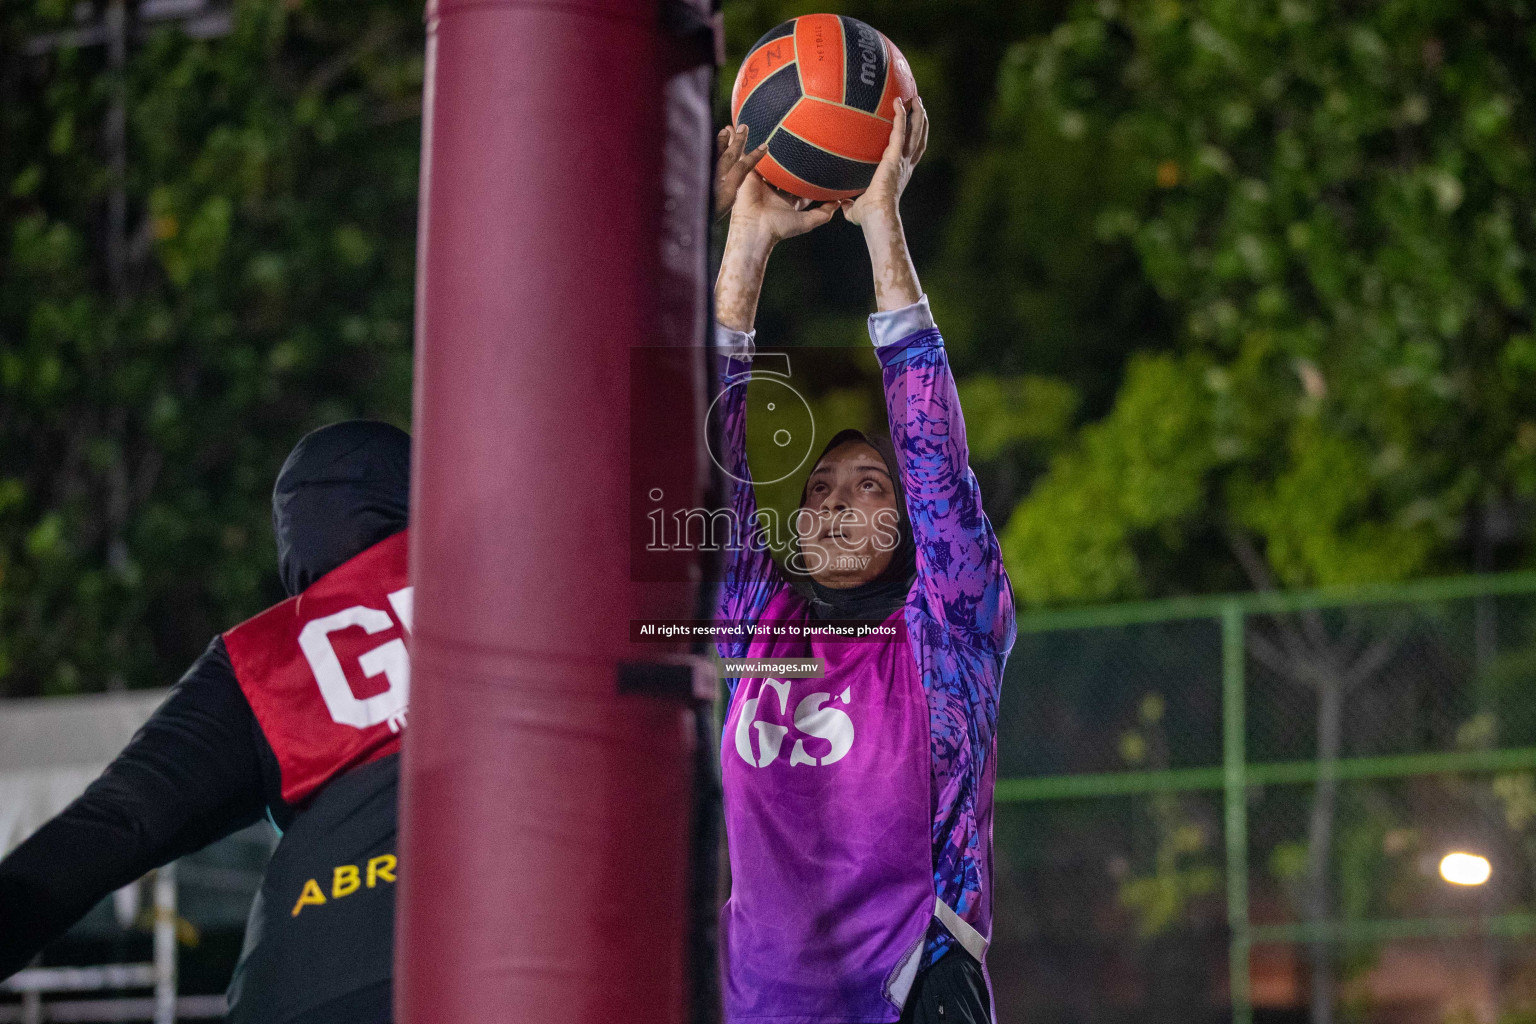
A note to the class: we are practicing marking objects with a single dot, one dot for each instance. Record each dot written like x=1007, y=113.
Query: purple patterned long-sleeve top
x=959, y=614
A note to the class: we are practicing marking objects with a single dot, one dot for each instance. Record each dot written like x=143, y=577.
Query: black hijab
x=881, y=596
x=343, y=489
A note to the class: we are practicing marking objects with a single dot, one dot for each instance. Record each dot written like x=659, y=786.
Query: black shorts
x=952, y=991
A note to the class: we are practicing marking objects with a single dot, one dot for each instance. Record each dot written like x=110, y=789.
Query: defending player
x=858, y=806
x=268, y=721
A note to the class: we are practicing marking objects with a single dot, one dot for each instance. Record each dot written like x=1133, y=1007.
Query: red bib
x=327, y=671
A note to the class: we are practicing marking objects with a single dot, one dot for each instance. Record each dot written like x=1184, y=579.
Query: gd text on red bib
x=327, y=672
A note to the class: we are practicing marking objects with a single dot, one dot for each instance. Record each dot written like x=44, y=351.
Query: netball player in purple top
x=858, y=805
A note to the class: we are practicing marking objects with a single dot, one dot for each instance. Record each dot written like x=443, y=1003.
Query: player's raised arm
x=760, y=219
x=960, y=565
x=190, y=776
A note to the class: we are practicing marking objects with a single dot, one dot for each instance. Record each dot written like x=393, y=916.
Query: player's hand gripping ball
x=821, y=89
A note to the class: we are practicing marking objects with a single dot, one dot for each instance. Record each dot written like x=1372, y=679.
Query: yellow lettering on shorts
x=381, y=869
x=345, y=881
x=310, y=897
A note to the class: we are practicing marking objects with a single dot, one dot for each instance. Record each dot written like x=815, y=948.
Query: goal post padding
x=546, y=809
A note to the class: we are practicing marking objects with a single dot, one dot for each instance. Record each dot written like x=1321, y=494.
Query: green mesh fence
x=1237, y=809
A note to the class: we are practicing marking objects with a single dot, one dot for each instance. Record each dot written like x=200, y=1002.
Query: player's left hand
x=732, y=162
x=909, y=138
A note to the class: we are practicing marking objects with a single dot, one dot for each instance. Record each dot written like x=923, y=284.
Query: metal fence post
x=1235, y=786
x=165, y=944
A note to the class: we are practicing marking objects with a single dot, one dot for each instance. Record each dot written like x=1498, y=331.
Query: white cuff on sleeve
x=734, y=344
x=891, y=326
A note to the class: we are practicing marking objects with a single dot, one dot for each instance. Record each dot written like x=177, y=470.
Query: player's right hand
x=775, y=215
x=732, y=162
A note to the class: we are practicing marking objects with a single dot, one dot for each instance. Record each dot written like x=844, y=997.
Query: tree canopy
x=1333, y=203
x=271, y=186
x=1237, y=293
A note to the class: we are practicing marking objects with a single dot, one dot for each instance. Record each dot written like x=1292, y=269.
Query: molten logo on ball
x=869, y=46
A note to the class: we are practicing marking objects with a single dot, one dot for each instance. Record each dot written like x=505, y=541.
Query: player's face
x=848, y=526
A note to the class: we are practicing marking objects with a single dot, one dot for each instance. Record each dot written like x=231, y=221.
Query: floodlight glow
x=1465, y=869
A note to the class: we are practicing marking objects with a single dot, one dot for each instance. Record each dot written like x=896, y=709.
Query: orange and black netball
x=821, y=88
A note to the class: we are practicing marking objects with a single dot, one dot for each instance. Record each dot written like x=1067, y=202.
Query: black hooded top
x=341, y=490
x=881, y=596
x=200, y=768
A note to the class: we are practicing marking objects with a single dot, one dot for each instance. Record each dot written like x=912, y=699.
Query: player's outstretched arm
x=960, y=564
x=749, y=578
x=760, y=219
x=878, y=209
x=959, y=559
x=190, y=776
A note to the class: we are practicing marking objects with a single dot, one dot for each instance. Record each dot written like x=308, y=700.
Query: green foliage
x=1140, y=468
x=1216, y=273
x=267, y=289
x=1180, y=868
x=1159, y=899
x=1288, y=861
x=1312, y=221
x=1334, y=205
x=1518, y=1015
x=1002, y=413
